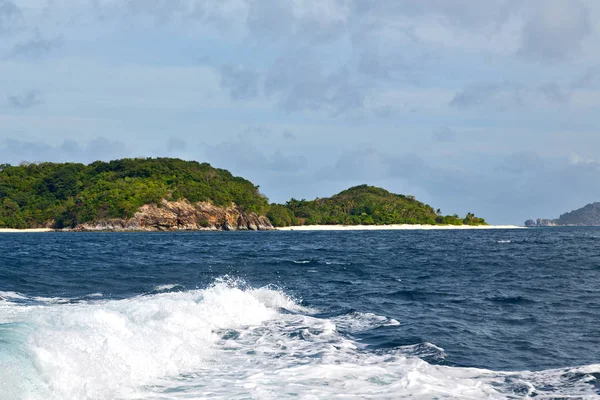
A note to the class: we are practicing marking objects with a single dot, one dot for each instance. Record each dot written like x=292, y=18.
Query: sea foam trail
x=230, y=341
x=107, y=349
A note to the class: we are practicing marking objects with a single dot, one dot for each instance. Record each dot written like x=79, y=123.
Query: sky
x=491, y=107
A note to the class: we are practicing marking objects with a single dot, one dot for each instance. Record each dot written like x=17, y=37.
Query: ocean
x=497, y=314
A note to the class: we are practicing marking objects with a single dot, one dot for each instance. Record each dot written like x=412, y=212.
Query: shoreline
x=405, y=227
x=394, y=227
x=33, y=230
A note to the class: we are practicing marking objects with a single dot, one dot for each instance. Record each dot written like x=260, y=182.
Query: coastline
x=6, y=230
x=406, y=227
x=394, y=227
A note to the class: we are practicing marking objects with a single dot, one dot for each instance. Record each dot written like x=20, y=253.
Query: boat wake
x=233, y=341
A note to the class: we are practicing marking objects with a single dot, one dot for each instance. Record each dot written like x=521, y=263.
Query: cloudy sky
x=489, y=106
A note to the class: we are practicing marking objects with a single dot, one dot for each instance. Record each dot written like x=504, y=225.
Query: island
x=588, y=215
x=168, y=194
x=364, y=205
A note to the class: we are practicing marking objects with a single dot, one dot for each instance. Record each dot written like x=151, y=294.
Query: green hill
x=65, y=195
x=365, y=205
x=68, y=195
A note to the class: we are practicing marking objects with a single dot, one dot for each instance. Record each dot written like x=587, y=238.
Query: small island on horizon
x=168, y=194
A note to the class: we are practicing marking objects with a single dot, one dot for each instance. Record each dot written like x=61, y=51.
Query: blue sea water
x=498, y=314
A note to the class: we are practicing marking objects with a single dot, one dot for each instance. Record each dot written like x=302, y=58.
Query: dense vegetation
x=365, y=205
x=34, y=195
x=65, y=195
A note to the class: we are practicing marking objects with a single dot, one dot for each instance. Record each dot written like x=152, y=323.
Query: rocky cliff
x=585, y=216
x=182, y=215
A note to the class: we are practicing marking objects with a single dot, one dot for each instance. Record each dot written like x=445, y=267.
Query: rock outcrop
x=540, y=222
x=183, y=215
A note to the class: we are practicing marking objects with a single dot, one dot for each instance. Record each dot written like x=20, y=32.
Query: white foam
x=53, y=300
x=358, y=322
x=106, y=349
x=163, y=288
x=504, y=241
x=11, y=296
x=227, y=341
x=274, y=298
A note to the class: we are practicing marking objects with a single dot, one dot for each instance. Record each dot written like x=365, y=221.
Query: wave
x=357, y=322
x=7, y=296
x=517, y=300
x=230, y=340
x=166, y=287
x=169, y=287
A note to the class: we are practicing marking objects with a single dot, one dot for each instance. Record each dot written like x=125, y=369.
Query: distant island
x=588, y=215
x=166, y=194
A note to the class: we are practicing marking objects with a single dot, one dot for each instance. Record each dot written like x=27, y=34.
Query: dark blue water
x=503, y=300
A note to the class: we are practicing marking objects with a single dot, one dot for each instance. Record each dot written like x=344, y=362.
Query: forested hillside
x=65, y=195
x=365, y=205
x=69, y=195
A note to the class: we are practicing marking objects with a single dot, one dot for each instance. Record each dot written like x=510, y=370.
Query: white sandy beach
x=341, y=228
x=3, y=230
x=393, y=227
